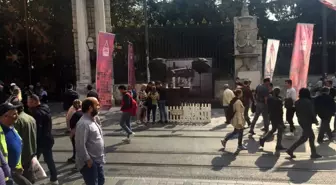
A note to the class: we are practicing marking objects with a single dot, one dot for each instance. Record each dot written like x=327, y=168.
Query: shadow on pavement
x=220, y=162
x=252, y=145
x=267, y=160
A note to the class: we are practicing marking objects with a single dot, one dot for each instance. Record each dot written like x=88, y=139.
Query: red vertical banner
x=104, y=69
x=131, y=70
x=301, y=55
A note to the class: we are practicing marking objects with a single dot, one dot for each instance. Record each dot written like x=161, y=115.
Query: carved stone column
x=84, y=68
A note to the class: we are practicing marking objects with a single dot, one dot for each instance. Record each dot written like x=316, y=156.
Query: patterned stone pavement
x=166, y=181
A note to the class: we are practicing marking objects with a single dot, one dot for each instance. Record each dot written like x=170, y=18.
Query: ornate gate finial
x=245, y=11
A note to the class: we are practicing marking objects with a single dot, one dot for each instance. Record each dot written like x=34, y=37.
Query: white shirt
x=228, y=95
x=291, y=93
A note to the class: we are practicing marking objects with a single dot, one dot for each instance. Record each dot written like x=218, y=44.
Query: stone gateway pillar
x=88, y=17
x=248, y=49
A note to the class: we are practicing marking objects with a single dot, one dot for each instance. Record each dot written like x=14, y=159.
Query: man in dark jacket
x=91, y=92
x=306, y=116
x=69, y=97
x=325, y=109
x=45, y=140
x=247, y=99
x=276, y=118
x=126, y=109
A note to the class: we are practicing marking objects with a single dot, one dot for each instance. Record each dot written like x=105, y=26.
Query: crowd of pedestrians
x=25, y=133
x=266, y=101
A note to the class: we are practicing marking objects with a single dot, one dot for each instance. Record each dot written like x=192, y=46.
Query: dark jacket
x=324, y=106
x=275, y=108
x=163, y=93
x=332, y=92
x=93, y=93
x=75, y=118
x=68, y=98
x=126, y=103
x=42, y=116
x=247, y=96
x=305, y=113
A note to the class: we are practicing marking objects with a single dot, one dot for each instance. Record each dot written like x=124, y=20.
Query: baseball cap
x=5, y=107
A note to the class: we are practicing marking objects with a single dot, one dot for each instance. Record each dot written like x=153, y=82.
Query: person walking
x=74, y=118
x=325, y=109
x=153, y=97
x=162, y=102
x=126, y=109
x=11, y=142
x=262, y=94
x=228, y=95
x=26, y=127
x=237, y=121
x=290, y=106
x=247, y=100
x=45, y=140
x=306, y=116
x=276, y=118
x=90, y=147
x=91, y=92
x=69, y=97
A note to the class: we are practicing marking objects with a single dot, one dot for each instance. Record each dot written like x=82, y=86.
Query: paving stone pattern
x=165, y=181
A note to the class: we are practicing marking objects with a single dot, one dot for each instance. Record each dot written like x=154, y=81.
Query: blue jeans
x=94, y=175
x=162, y=110
x=125, y=122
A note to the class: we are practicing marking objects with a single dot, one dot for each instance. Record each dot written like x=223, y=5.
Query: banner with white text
x=104, y=69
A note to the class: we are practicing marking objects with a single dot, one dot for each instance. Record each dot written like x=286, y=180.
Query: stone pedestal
x=248, y=49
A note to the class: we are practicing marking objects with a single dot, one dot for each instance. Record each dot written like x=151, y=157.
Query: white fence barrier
x=188, y=113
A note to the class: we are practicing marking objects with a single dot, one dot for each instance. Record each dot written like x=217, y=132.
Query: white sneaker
x=131, y=135
x=290, y=134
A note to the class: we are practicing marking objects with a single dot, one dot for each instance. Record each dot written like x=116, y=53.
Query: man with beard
x=45, y=140
x=90, y=154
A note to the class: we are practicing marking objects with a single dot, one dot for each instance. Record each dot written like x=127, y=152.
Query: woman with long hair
x=237, y=121
x=153, y=98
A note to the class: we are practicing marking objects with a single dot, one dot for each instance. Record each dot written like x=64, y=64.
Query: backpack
x=134, y=105
x=230, y=112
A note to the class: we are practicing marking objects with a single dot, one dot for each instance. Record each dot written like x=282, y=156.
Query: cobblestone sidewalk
x=165, y=181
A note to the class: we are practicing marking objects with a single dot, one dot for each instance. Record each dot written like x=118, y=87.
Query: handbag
x=38, y=171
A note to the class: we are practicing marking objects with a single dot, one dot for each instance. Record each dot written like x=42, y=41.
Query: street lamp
x=91, y=44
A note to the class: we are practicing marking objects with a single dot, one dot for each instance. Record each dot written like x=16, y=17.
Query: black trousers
x=325, y=129
x=240, y=136
x=49, y=159
x=20, y=179
x=246, y=116
x=307, y=134
x=73, y=147
x=289, y=118
x=226, y=108
x=277, y=125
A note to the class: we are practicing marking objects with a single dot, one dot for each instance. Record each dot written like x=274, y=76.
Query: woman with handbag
x=237, y=121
